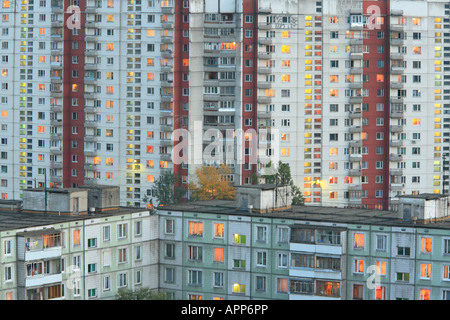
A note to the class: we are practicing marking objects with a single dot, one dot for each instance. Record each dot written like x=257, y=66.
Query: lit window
x=285, y=49
x=358, y=241
x=426, y=245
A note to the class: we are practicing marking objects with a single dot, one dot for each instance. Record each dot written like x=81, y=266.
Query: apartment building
x=221, y=250
x=75, y=255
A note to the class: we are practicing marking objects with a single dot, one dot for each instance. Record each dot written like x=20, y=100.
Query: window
x=106, y=233
x=425, y=270
x=358, y=266
x=380, y=242
x=426, y=245
x=358, y=241
x=282, y=285
x=122, y=230
x=195, y=253
x=219, y=230
x=358, y=291
x=261, y=234
x=195, y=228
x=76, y=237
x=194, y=277
x=218, y=254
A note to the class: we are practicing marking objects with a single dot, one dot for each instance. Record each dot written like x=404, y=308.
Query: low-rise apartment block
x=75, y=255
x=222, y=250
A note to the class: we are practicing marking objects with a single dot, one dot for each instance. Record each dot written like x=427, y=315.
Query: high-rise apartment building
x=350, y=93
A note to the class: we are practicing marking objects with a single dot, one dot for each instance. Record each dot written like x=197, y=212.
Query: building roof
x=310, y=213
x=11, y=220
x=425, y=196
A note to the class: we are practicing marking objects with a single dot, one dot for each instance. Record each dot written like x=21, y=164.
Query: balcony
x=396, y=12
x=355, y=157
x=396, y=143
x=265, y=55
x=397, y=70
x=265, y=41
x=264, y=115
x=396, y=128
x=355, y=172
x=265, y=26
x=90, y=124
x=355, y=187
x=167, y=10
x=356, y=99
x=396, y=85
x=356, y=85
x=356, y=70
x=264, y=70
x=397, y=42
x=264, y=99
x=396, y=114
x=395, y=172
x=395, y=157
x=397, y=56
x=355, y=144
x=355, y=114
x=397, y=186
x=42, y=280
x=397, y=99
x=264, y=85
x=55, y=165
x=355, y=129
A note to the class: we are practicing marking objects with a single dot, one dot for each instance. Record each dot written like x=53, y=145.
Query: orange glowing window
x=41, y=59
x=416, y=122
x=5, y=4
x=282, y=285
x=41, y=129
x=150, y=164
x=4, y=113
x=150, y=62
x=110, y=46
x=380, y=293
x=185, y=62
x=109, y=118
x=109, y=161
x=150, y=149
x=41, y=87
x=380, y=77
x=195, y=228
x=334, y=78
x=359, y=266
x=41, y=31
x=150, y=178
x=109, y=175
x=163, y=164
x=110, y=18
x=74, y=87
x=109, y=103
x=381, y=267
x=97, y=160
x=285, y=34
x=425, y=270
x=219, y=231
x=76, y=237
x=425, y=294
x=358, y=241
x=333, y=180
x=150, y=76
x=218, y=254
x=228, y=46
x=285, y=78
x=41, y=157
x=348, y=180
x=151, y=33
x=109, y=89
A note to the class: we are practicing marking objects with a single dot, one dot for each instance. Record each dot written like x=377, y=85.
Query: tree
x=139, y=294
x=166, y=191
x=282, y=176
x=212, y=184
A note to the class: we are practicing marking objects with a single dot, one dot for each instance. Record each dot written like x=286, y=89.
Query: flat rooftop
x=309, y=213
x=11, y=220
